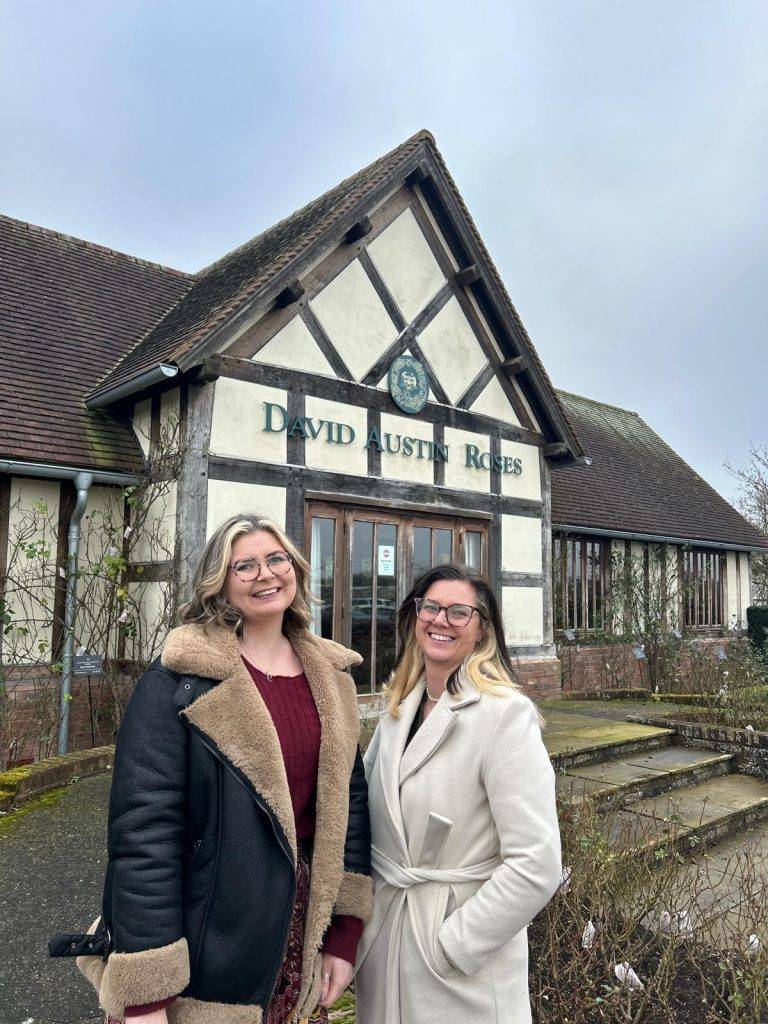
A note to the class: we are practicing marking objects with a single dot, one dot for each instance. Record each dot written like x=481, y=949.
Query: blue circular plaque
x=408, y=384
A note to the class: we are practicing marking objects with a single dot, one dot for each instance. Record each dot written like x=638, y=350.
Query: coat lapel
x=233, y=714
x=436, y=729
x=393, y=739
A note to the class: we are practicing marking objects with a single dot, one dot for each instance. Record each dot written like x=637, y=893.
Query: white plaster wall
x=155, y=536
x=732, y=590
x=142, y=421
x=33, y=518
x=151, y=619
x=493, y=402
x=521, y=544
x=457, y=474
x=402, y=256
x=231, y=497
x=354, y=319
x=674, y=584
x=528, y=484
x=523, y=612
x=337, y=458
x=402, y=467
x=237, y=426
x=294, y=347
x=453, y=351
x=746, y=586
x=101, y=533
x=170, y=411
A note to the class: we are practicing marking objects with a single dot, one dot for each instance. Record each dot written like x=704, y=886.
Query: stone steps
x=639, y=774
x=693, y=816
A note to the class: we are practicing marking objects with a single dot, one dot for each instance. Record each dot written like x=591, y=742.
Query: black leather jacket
x=195, y=851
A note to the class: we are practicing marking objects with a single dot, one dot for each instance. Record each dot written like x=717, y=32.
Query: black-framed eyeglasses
x=456, y=614
x=248, y=569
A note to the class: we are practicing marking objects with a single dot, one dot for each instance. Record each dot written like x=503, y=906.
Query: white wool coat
x=466, y=852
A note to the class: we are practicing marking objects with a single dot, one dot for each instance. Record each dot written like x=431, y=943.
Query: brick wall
x=31, y=716
x=540, y=677
x=611, y=667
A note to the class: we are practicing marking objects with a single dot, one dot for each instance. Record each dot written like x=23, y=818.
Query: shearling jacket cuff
x=133, y=979
x=355, y=898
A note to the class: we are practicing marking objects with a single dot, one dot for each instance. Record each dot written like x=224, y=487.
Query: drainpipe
x=83, y=480
x=83, y=483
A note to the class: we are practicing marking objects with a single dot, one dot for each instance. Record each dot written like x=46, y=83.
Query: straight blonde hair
x=488, y=667
x=210, y=605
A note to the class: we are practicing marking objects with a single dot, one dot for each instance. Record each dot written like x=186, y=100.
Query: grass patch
x=9, y=822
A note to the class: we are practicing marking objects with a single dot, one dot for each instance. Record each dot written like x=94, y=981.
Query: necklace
x=434, y=700
x=268, y=675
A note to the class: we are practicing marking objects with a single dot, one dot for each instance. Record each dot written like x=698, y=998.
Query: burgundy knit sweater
x=290, y=702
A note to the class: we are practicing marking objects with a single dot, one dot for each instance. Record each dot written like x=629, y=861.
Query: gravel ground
x=52, y=864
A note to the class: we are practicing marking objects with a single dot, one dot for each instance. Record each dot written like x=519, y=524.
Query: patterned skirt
x=283, y=1003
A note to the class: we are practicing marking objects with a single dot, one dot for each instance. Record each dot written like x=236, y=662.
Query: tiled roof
x=224, y=286
x=637, y=483
x=68, y=309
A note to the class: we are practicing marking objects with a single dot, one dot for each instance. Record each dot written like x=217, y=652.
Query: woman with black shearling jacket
x=238, y=878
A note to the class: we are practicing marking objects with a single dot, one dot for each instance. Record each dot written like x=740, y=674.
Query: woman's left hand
x=337, y=974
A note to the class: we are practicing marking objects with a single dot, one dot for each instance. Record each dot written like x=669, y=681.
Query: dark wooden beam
x=359, y=230
x=292, y=292
x=418, y=174
x=556, y=450
x=513, y=366
x=468, y=275
x=348, y=391
x=206, y=373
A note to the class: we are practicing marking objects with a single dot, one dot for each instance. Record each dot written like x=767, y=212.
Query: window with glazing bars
x=580, y=570
x=703, y=587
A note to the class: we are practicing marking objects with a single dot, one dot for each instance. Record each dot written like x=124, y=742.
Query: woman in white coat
x=466, y=846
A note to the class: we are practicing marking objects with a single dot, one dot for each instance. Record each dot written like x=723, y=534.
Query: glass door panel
x=323, y=566
x=386, y=601
x=443, y=547
x=473, y=549
x=362, y=600
x=422, y=550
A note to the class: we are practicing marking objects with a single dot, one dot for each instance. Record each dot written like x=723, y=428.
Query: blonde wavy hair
x=209, y=604
x=488, y=667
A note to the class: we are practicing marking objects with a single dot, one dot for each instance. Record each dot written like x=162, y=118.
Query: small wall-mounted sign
x=88, y=665
x=386, y=560
x=408, y=384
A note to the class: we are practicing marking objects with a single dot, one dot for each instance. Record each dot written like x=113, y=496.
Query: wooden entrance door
x=364, y=562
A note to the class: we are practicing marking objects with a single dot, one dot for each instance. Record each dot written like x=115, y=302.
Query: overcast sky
x=614, y=155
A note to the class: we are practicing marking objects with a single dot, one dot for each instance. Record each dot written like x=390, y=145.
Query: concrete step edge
x=611, y=751
x=698, y=836
x=614, y=795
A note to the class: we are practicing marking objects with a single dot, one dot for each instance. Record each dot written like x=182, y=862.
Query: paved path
x=52, y=864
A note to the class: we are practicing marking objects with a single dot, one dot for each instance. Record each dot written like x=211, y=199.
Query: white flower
x=588, y=935
x=725, y=673
x=565, y=884
x=127, y=532
x=753, y=945
x=62, y=573
x=123, y=617
x=627, y=976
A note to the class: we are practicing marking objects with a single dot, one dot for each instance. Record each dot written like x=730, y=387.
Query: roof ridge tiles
x=95, y=246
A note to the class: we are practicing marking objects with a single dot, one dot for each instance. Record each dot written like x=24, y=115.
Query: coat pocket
x=438, y=961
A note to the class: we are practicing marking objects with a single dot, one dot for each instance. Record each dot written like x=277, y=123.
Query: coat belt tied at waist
x=402, y=876
x=405, y=877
